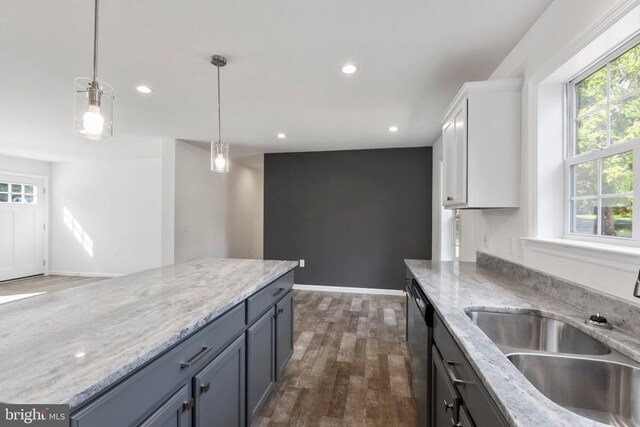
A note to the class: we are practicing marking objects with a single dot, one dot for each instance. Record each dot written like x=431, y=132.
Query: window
x=18, y=193
x=604, y=147
x=456, y=235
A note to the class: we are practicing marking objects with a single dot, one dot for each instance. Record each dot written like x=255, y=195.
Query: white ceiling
x=283, y=75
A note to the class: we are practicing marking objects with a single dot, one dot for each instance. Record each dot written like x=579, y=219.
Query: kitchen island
x=144, y=337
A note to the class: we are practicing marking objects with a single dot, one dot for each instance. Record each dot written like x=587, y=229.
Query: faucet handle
x=636, y=290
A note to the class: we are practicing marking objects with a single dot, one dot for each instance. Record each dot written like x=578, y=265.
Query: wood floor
x=350, y=365
x=44, y=284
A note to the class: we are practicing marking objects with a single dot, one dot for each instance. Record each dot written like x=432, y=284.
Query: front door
x=21, y=227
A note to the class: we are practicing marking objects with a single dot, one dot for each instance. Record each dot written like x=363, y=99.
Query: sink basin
x=603, y=391
x=533, y=332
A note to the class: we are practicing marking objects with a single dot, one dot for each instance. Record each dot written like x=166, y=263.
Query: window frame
x=23, y=194
x=571, y=159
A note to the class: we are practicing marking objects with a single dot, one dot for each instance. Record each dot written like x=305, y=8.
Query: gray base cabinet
x=471, y=401
x=219, y=376
x=175, y=412
x=220, y=389
x=261, y=361
x=445, y=400
x=284, y=333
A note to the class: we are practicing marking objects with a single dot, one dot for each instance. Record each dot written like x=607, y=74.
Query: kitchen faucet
x=636, y=291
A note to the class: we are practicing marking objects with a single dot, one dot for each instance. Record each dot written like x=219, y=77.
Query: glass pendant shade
x=93, y=109
x=219, y=157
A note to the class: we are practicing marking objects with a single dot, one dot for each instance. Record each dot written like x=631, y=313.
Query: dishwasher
x=419, y=339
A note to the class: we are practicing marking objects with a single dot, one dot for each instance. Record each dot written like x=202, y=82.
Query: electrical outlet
x=302, y=263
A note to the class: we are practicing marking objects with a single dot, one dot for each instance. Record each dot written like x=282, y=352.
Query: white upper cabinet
x=481, y=146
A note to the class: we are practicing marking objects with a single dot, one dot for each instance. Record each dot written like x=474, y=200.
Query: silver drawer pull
x=195, y=358
x=278, y=292
x=448, y=406
x=205, y=387
x=454, y=379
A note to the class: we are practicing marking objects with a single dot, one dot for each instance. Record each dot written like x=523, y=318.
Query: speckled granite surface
x=452, y=287
x=116, y=325
x=622, y=313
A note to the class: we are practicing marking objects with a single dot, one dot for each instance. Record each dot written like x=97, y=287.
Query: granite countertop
x=452, y=287
x=66, y=346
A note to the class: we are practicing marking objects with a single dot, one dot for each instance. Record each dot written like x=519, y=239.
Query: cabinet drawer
x=261, y=301
x=134, y=399
x=474, y=396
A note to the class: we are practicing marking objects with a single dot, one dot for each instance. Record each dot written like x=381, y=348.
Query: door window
x=18, y=193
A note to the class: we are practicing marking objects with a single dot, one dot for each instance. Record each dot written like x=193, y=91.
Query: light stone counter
x=66, y=346
x=452, y=287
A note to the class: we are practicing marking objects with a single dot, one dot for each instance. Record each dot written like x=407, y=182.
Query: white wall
x=245, y=211
x=24, y=166
x=168, y=201
x=500, y=231
x=106, y=216
x=200, y=205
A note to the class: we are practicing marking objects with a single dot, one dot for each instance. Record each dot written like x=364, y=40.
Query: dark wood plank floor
x=350, y=365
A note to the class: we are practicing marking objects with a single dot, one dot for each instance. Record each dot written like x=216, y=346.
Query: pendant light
x=93, y=109
x=219, y=150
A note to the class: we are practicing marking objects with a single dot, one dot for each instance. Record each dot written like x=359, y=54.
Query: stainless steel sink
x=524, y=330
x=603, y=391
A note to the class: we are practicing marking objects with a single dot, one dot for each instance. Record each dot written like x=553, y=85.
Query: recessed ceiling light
x=393, y=129
x=143, y=89
x=349, y=69
x=282, y=135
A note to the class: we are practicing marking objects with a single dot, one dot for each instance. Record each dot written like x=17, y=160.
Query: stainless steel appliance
x=419, y=339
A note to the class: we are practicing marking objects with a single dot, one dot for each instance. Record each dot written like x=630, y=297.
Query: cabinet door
x=445, y=400
x=219, y=389
x=284, y=333
x=448, y=162
x=260, y=361
x=175, y=412
x=464, y=419
x=459, y=180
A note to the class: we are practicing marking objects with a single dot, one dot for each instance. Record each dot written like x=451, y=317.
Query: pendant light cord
x=95, y=42
x=219, y=120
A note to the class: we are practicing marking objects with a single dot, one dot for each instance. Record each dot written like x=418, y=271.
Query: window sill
x=618, y=257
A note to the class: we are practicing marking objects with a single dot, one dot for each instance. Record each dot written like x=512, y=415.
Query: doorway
x=22, y=223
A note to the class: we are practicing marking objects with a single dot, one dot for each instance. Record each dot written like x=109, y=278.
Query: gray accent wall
x=353, y=216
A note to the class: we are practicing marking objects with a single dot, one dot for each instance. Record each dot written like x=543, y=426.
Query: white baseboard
x=83, y=274
x=341, y=289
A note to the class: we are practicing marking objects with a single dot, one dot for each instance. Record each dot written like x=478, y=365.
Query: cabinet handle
x=448, y=406
x=187, y=405
x=205, y=387
x=456, y=424
x=454, y=379
x=281, y=310
x=278, y=292
x=449, y=198
x=195, y=358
